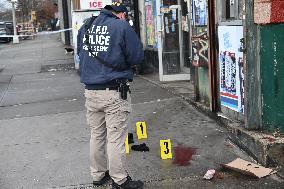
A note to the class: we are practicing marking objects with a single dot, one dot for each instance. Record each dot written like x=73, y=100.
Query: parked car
x=6, y=28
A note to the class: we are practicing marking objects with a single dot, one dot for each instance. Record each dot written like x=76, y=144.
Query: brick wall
x=268, y=11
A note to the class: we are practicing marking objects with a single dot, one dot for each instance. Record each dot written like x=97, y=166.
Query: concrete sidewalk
x=44, y=139
x=264, y=147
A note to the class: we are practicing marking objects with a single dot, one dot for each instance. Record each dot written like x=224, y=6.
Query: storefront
x=231, y=57
x=166, y=38
x=173, y=40
x=177, y=42
x=183, y=33
x=200, y=50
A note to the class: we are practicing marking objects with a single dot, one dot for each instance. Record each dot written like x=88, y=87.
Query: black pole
x=66, y=22
x=136, y=16
x=213, y=78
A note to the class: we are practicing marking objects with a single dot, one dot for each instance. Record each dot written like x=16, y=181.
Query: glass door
x=173, y=49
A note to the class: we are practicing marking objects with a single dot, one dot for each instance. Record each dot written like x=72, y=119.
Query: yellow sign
x=126, y=145
x=33, y=16
x=166, y=149
x=141, y=130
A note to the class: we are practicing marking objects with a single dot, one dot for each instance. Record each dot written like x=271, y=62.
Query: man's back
x=115, y=43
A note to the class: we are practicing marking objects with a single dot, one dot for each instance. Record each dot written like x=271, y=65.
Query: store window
x=231, y=11
x=231, y=64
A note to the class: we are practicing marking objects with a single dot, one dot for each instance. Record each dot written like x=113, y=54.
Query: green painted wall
x=272, y=76
x=203, y=86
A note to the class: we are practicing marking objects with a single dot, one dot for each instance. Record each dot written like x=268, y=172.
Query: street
x=44, y=138
x=4, y=45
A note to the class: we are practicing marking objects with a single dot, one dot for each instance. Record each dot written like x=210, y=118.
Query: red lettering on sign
x=96, y=4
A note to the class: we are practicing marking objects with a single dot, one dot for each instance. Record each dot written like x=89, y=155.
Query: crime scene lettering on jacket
x=98, y=40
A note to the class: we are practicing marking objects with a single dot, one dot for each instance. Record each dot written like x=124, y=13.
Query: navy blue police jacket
x=116, y=43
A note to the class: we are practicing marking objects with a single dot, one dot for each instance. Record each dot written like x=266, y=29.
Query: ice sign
x=94, y=4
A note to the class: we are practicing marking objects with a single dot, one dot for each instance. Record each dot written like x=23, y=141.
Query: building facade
x=230, y=51
x=224, y=48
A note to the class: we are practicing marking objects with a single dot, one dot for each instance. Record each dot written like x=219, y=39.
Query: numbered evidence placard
x=126, y=145
x=141, y=130
x=166, y=149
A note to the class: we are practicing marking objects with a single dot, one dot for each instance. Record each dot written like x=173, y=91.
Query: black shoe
x=103, y=180
x=130, y=138
x=128, y=184
x=141, y=147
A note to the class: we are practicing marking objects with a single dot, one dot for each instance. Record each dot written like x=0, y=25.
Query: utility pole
x=15, y=37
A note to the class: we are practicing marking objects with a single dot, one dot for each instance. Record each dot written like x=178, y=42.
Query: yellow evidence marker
x=166, y=149
x=126, y=145
x=141, y=130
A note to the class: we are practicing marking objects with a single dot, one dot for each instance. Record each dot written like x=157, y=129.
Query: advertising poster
x=231, y=67
x=200, y=50
x=199, y=11
x=150, y=10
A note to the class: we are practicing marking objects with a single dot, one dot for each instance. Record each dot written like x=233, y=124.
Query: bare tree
x=47, y=10
x=24, y=9
x=44, y=9
x=2, y=6
x=5, y=11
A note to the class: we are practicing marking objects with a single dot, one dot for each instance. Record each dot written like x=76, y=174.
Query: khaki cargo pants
x=107, y=116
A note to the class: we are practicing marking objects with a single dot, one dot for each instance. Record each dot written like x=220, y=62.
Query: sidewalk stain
x=183, y=155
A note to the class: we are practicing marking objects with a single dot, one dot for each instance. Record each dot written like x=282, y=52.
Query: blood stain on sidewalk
x=183, y=155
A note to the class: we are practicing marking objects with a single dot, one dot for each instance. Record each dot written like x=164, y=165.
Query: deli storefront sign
x=94, y=4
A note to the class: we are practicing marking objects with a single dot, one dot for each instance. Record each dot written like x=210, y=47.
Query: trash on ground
x=219, y=175
x=209, y=174
x=249, y=168
x=51, y=70
x=72, y=100
x=219, y=130
x=270, y=139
